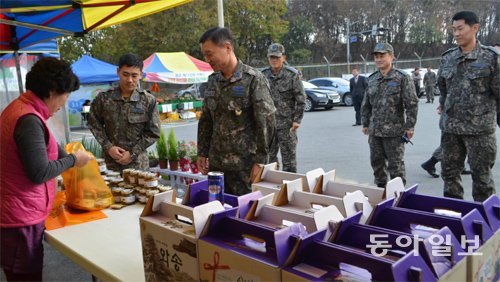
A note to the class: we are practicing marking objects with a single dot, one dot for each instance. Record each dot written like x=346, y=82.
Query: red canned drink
x=216, y=186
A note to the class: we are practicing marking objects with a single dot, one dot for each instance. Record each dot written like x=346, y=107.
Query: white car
x=337, y=84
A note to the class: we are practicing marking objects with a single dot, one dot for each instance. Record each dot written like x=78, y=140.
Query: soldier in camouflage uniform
x=289, y=98
x=429, y=83
x=388, y=111
x=237, y=120
x=125, y=120
x=468, y=79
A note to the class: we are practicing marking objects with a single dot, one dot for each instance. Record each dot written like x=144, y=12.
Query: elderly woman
x=30, y=159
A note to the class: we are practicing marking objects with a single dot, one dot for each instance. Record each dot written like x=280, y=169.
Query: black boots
x=429, y=167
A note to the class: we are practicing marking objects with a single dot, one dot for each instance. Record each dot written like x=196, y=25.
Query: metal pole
x=419, y=59
x=348, y=46
x=364, y=62
x=328, y=64
x=220, y=12
x=18, y=71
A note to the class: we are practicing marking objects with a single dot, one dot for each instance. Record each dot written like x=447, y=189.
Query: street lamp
x=220, y=12
x=348, y=23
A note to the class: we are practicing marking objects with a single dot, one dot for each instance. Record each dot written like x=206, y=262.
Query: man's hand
x=116, y=152
x=365, y=130
x=125, y=159
x=203, y=165
x=254, y=172
x=409, y=134
x=295, y=126
x=439, y=110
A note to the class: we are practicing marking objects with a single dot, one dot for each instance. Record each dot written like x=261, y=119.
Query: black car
x=319, y=98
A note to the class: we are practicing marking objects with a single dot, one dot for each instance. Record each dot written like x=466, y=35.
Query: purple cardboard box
x=233, y=248
x=317, y=260
x=441, y=257
x=424, y=224
x=489, y=209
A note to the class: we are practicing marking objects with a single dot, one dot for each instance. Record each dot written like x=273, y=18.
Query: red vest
x=23, y=202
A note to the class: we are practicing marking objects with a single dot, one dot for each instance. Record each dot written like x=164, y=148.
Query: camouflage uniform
x=469, y=85
x=429, y=83
x=389, y=109
x=289, y=98
x=236, y=125
x=132, y=124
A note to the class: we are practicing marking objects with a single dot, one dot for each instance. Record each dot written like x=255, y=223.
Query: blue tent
x=90, y=70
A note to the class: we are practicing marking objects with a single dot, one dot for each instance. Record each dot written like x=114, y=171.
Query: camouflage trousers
x=285, y=141
x=387, y=158
x=481, y=150
x=236, y=182
x=429, y=93
x=142, y=163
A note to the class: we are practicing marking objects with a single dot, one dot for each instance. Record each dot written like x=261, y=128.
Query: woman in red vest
x=30, y=159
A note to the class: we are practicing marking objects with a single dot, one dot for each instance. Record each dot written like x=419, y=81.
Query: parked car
x=335, y=83
x=195, y=90
x=319, y=98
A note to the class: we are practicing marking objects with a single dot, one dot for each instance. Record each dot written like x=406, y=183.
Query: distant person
x=430, y=80
x=430, y=164
x=29, y=163
x=125, y=120
x=469, y=82
x=289, y=99
x=237, y=121
x=388, y=112
x=357, y=87
x=416, y=76
x=85, y=112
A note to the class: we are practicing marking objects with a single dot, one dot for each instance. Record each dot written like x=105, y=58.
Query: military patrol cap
x=383, y=48
x=276, y=49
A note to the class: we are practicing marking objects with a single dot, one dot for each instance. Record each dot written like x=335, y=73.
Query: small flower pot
x=174, y=165
x=163, y=164
x=194, y=167
x=184, y=164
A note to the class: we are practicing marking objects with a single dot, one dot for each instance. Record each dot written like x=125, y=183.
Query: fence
x=338, y=70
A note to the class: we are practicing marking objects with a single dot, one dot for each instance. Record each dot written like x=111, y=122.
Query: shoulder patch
x=251, y=71
x=449, y=51
x=292, y=69
x=491, y=48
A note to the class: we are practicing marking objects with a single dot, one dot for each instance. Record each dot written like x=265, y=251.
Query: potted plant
x=161, y=149
x=173, y=157
x=183, y=149
x=193, y=156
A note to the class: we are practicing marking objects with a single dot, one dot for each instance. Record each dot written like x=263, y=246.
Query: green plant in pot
x=161, y=149
x=173, y=157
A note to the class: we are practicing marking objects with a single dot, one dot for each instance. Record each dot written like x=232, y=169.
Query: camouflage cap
x=276, y=49
x=383, y=48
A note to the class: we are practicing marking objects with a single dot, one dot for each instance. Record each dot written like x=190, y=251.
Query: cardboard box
x=317, y=260
x=457, y=274
x=324, y=183
x=424, y=224
x=269, y=180
x=263, y=212
x=291, y=197
x=489, y=209
x=486, y=266
x=234, y=249
x=169, y=235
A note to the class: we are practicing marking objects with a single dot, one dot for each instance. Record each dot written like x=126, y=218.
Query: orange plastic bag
x=61, y=216
x=85, y=188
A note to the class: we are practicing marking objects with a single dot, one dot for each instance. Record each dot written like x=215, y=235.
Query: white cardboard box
x=486, y=266
x=169, y=235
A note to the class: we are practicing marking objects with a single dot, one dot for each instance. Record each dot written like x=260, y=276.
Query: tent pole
x=18, y=71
